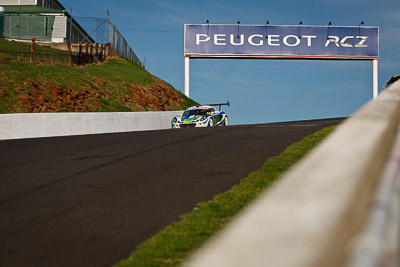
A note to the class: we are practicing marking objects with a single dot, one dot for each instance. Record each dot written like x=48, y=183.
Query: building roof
x=59, y=4
x=30, y=10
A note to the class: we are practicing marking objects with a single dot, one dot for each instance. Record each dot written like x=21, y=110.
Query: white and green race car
x=201, y=116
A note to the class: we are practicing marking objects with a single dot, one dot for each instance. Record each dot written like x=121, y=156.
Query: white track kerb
x=315, y=214
x=31, y=125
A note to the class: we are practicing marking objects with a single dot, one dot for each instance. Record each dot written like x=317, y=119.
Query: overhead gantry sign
x=282, y=42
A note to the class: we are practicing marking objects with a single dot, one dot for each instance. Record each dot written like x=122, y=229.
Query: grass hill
x=117, y=84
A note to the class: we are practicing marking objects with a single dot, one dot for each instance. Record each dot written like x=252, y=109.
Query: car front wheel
x=211, y=122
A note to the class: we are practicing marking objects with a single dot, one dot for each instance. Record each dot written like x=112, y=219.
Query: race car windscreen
x=195, y=112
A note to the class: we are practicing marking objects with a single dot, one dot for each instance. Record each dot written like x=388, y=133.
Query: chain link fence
x=99, y=30
x=103, y=31
x=96, y=28
x=119, y=43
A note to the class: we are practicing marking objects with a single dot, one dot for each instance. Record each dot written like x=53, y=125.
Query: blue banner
x=264, y=41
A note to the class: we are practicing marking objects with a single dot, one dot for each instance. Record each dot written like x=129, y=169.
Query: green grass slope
x=118, y=84
x=178, y=241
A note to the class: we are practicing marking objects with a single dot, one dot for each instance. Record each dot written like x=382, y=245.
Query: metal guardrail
x=327, y=210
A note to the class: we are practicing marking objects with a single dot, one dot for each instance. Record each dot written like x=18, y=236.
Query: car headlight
x=175, y=120
x=203, y=118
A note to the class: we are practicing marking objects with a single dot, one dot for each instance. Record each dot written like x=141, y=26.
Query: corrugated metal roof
x=30, y=10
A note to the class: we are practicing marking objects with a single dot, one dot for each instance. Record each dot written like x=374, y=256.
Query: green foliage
x=12, y=50
x=121, y=70
x=176, y=242
x=188, y=102
x=12, y=45
x=110, y=105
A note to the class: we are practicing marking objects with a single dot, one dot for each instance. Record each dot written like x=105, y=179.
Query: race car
x=390, y=81
x=201, y=116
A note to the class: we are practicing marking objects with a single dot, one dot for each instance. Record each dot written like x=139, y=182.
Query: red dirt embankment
x=112, y=86
x=52, y=97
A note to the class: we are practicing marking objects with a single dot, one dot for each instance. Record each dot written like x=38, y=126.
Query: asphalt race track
x=90, y=200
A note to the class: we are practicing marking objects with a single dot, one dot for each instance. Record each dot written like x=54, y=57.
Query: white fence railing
x=30, y=125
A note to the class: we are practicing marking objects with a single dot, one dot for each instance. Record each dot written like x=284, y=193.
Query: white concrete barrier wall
x=314, y=215
x=31, y=125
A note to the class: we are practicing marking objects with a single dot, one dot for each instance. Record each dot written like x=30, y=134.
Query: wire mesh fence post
x=91, y=54
x=69, y=54
x=108, y=26
x=102, y=53
x=33, y=50
x=87, y=54
x=80, y=54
